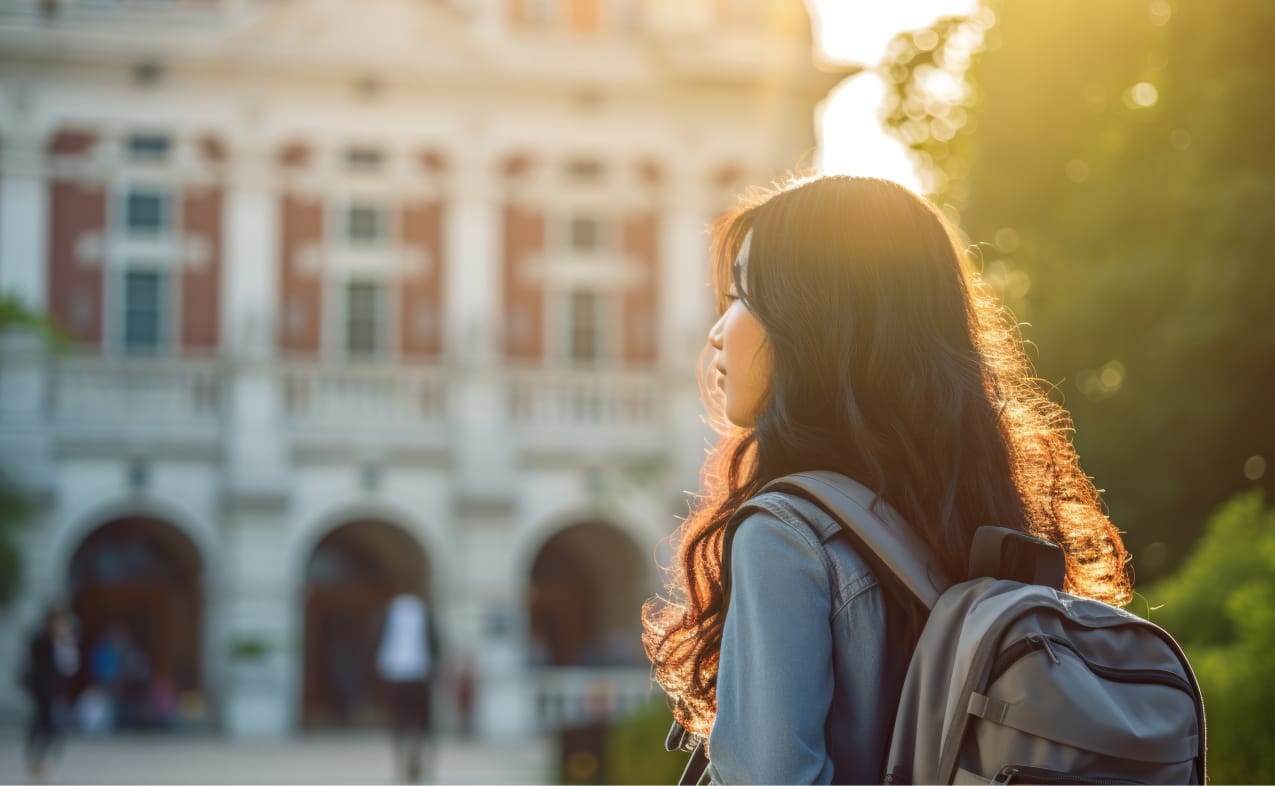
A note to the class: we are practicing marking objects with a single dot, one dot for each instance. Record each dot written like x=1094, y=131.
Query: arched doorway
x=352, y=574
x=588, y=583
x=136, y=590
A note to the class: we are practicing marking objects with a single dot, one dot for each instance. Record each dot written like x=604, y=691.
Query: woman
x=854, y=337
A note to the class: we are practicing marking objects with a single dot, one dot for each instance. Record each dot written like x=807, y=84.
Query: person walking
x=406, y=660
x=52, y=657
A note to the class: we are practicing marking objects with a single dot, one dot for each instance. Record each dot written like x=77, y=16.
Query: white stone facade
x=255, y=453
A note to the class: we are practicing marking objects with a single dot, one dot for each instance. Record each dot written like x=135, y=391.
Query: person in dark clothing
x=407, y=661
x=52, y=656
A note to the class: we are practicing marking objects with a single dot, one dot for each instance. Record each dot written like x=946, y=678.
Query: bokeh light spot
x=1077, y=171
x=1007, y=240
x=1141, y=96
x=1112, y=376
x=1161, y=12
x=925, y=39
x=1255, y=467
x=1180, y=138
x=1018, y=284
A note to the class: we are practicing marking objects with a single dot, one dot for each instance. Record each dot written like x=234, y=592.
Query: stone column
x=686, y=299
x=478, y=399
x=484, y=504
x=24, y=220
x=256, y=450
x=256, y=606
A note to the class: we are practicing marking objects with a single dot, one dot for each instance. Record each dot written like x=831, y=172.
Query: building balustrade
x=571, y=696
x=129, y=396
x=132, y=396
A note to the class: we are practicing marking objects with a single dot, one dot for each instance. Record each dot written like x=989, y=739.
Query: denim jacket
x=809, y=680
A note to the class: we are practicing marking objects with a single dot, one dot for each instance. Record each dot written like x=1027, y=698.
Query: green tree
x=15, y=508
x=1220, y=606
x=1113, y=162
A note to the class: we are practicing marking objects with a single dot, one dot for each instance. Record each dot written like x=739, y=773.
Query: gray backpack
x=1014, y=681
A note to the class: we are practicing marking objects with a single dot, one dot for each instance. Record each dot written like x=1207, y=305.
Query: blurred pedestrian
x=466, y=686
x=106, y=671
x=134, y=686
x=52, y=656
x=405, y=661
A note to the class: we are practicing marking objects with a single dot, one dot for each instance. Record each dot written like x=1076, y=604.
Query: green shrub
x=635, y=748
x=1220, y=606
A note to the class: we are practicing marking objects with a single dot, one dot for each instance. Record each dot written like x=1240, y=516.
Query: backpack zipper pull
x=1005, y=776
x=1045, y=645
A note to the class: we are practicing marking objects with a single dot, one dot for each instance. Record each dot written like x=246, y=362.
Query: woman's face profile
x=741, y=358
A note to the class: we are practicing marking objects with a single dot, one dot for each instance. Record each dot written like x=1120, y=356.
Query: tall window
x=585, y=329
x=144, y=311
x=364, y=318
x=587, y=234
x=147, y=211
x=366, y=224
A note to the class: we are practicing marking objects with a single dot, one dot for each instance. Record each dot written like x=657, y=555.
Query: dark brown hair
x=892, y=364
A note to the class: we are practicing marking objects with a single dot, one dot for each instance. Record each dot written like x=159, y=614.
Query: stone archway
x=350, y=578
x=136, y=590
x=587, y=586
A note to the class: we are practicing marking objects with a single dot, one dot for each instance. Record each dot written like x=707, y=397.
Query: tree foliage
x=15, y=508
x=1114, y=164
x=1220, y=605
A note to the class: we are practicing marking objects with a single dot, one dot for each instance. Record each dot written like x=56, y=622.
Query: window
x=147, y=147
x=584, y=170
x=585, y=328
x=364, y=159
x=586, y=234
x=363, y=319
x=144, y=310
x=366, y=224
x=147, y=212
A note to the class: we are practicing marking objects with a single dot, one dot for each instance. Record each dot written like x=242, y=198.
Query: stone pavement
x=318, y=758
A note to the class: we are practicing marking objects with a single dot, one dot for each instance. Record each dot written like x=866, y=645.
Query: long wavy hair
x=892, y=363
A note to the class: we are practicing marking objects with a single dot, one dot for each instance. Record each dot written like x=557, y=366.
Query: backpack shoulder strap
x=885, y=539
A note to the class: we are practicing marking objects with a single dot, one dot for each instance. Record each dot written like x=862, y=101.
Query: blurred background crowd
x=310, y=304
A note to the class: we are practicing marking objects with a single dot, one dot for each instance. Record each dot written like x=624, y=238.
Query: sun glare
x=851, y=137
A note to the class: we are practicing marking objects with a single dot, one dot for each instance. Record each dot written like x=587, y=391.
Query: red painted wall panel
x=524, y=299
x=421, y=292
x=201, y=284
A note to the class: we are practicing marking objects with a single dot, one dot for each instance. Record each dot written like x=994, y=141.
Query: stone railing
x=570, y=696
x=326, y=394
x=137, y=394
x=586, y=398
x=99, y=395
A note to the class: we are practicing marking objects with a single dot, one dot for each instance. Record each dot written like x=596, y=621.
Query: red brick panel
x=201, y=280
x=420, y=322
x=524, y=297
x=640, y=309
x=71, y=142
x=301, y=291
x=77, y=211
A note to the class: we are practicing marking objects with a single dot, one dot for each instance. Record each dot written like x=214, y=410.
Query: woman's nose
x=715, y=333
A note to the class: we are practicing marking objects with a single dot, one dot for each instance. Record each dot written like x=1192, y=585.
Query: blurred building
x=370, y=296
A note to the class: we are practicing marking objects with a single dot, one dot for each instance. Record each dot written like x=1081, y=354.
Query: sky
x=858, y=31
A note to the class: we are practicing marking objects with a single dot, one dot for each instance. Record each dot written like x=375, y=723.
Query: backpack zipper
x=1045, y=777
x=1035, y=641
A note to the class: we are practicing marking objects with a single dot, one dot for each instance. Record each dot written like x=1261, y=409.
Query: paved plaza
x=357, y=757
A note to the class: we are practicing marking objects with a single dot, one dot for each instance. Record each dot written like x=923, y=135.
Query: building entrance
x=588, y=583
x=351, y=577
x=135, y=586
